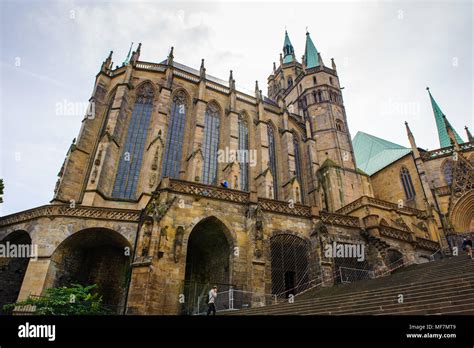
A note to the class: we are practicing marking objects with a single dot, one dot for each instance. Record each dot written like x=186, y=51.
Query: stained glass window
x=272, y=157
x=131, y=159
x=175, y=137
x=211, y=144
x=299, y=175
x=243, y=147
x=407, y=183
x=448, y=172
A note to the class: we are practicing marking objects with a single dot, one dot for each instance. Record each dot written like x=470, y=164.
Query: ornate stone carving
x=53, y=210
x=145, y=94
x=146, y=236
x=178, y=243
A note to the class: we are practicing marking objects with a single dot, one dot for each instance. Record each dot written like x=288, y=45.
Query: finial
x=320, y=59
x=274, y=67
x=110, y=55
x=170, y=57
x=333, y=63
x=427, y=88
x=231, y=77
x=256, y=86
x=139, y=47
x=469, y=135
x=307, y=33
x=202, y=70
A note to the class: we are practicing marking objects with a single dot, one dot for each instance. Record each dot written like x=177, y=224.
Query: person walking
x=467, y=246
x=212, y=301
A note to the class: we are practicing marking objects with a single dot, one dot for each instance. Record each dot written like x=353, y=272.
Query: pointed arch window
x=272, y=159
x=448, y=172
x=299, y=173
x=339, y=125
x=290, y=81
x=407, y=183
x=211, y=144
x=243, y=148
x=174, y=139
x=128, y=172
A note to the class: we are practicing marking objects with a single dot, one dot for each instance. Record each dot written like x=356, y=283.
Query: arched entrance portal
x=393, y=259
x=290, y=264
x=208, y=262
x=93, y=256
x=462, y=216
x=12, y=269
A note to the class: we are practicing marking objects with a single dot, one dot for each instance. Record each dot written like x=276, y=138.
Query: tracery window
x=448, y=172
x=243, y=147
x=273, y=160
x=299, y=173
x=130, y=162
x=211, y=144
x=175, y=135
x=407, y=183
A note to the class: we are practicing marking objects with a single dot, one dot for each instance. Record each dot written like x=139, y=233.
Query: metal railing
x=350, y=275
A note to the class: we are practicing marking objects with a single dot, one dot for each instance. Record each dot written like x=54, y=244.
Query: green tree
x=73, y=300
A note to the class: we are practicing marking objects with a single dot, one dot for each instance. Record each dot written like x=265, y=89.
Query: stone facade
x=176, y=234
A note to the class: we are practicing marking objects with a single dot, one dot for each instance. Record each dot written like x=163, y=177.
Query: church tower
x=311, y=92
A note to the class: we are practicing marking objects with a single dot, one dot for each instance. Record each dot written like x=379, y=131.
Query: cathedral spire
x=443, y=136
x=129, y=55
x=311, y=55
x=469, y=135
x=288, y=51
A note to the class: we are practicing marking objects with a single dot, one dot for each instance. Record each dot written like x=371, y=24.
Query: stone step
x=441, y=287
x=385, y=282
x=375, y=304
x=446, y=283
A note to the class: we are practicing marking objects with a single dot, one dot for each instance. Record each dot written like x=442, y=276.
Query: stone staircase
x=440, y=287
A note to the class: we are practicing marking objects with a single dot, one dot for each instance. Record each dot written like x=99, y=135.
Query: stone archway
x=93, y=256
x=290, y=264
x=208, y=262
x=462, y=215
x=393, y=259
x=12, y=269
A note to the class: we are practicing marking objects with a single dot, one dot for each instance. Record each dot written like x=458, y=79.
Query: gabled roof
x=310, y=53
x=443, y=136
x=373, y=154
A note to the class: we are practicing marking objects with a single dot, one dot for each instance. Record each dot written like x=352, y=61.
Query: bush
x=73, y=300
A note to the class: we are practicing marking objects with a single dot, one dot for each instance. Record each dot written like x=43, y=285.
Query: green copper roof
x=310, y=53
x=444, y=140
x=373, y=154
x=287, y=49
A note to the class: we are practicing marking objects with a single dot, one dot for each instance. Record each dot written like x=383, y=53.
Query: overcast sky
x=386, y=54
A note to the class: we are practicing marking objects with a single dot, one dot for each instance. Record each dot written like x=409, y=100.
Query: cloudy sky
x=386, y=52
